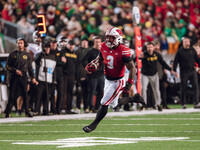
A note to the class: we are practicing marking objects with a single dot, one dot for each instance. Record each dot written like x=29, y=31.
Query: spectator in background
x=95, y=79
x=181, y=30
x=172, y=85
x=92, y=28
x=60, y=22
x=64, y=32
x=2, y=50
x=69, y=68
x=53, y=100
x=74, y=27
x=82, y=80
x=50, y=15
x=162, y=76
x=31, y=19
x=59, y=75
x=61, y=60
x=19, y=64
x=26, y=27
x=114, y=21
x=150, y=58
x=5, y=13
x=196, y=46
x=45, y=66
x=163, y=44
x=104, y=26
x=52, y=31
x=191, y=34
x=170, y=33
x=186, y=58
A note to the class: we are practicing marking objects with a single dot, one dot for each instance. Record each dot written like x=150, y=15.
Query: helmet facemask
x=62, y=42
x=36, y=37
x=113, y=37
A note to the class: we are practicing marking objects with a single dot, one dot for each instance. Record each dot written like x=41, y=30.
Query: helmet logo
x=119, y=31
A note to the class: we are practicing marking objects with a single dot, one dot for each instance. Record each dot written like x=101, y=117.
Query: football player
x=115, y=56
x=62, y=42
x=35, y=47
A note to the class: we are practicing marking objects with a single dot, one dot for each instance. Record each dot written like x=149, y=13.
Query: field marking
x=157, y=119
x=58, y=125
x=94, y=141
x=110, y=114
x=100, y=131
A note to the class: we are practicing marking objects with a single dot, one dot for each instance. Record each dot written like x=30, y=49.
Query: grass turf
x=171, y=125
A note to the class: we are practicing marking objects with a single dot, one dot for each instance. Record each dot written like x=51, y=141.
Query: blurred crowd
x=165, y=22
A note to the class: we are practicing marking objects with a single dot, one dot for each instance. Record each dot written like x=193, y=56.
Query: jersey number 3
x=110, y=61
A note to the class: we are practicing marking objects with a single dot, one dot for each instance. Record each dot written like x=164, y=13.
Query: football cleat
x=29, y=114
x=6, y=115
x=137, y=99
x=159, y=108
x=88, y=129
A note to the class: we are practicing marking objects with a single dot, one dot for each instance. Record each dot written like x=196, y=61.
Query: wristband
x=130, y=81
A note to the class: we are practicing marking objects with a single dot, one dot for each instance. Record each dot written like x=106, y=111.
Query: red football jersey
x=113, y=63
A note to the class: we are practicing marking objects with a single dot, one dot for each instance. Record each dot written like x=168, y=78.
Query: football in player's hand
x=96, y=64
x=92, y=66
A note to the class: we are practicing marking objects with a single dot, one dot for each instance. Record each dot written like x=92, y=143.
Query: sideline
x=92, y=115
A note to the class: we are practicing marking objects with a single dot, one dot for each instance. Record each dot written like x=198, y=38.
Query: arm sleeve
x=127, y=55
x=84, y=61
x=30, y=68
x=163, y=63
x=9, y=65
x=176, y=60
x=38, y=58
x=196, y=57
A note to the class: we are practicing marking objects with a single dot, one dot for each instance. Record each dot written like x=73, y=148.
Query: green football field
x=145, y=132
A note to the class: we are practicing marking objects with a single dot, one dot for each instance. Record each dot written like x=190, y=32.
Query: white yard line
x=102, y=124
x=110, y=114
x=94, y=141
x=157, y=119
x=100, y=132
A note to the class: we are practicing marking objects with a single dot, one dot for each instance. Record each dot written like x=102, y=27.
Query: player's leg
x=112, y=90
x=135, y=98
x=101, y=113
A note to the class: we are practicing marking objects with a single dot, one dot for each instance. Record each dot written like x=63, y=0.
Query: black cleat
x=88, y=129
x=6, y=115
x=70, y=112
x=29, y=114
x=137, y=99
x=159, y=108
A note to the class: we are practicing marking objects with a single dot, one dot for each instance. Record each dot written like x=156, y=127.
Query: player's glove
x=90, y=67
x=129, y=83
x=93, y=65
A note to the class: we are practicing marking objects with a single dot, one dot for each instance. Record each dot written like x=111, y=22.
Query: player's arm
x=94, y=65
x=132, y=71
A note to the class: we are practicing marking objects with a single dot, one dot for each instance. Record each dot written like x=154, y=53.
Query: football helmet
x=113, y=37
x=36, y=37
x=62, y=42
